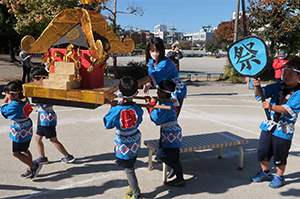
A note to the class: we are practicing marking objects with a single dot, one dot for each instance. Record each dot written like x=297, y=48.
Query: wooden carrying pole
x=155, y=106
x=148, y=106
x=158, y=99
x=143, y=105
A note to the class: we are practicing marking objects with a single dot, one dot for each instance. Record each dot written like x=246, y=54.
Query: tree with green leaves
x=8, y=35
x=31, y=17
x=277, y=22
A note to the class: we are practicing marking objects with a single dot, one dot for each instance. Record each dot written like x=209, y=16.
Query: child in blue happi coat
x=127, y=117
x=18, y=110
x=170, y=131
x=47, y=121
x=277, y=133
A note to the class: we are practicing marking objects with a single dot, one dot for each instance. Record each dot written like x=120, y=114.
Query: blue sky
x=187, y=15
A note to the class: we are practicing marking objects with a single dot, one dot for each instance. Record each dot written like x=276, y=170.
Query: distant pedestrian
x=47, y=121
x=18, y=110
x=25, y=61
x=278, y=65
x=249, y=81
x=277, y=134
x=175, y=54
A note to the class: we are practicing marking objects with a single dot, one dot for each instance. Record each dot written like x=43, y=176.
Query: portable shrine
x=76, y=45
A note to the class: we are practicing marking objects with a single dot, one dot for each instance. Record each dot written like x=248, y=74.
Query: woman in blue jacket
x=162, y=68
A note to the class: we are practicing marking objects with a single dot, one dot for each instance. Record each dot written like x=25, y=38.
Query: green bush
x=135, y=69
x=140, y=46
x=231, y=75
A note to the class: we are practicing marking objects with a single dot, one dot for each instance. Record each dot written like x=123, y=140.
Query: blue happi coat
x=21, y=124
x=126, y=119
x=171, y=133
x=47, y=116
x=166, y=70
x=285, y=127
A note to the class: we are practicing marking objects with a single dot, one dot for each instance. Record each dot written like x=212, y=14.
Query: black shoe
x=27, y=174
x=35, y=170
x=176, y=183
x=171, y=173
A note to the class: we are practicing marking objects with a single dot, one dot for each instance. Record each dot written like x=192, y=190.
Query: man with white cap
x=278, y=64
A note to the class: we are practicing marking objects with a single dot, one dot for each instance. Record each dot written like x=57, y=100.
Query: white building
x=205, y=34
x=169, y=37
x=160, y=31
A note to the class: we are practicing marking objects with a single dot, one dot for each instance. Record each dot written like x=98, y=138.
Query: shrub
x=136, y=70
x=231, y=75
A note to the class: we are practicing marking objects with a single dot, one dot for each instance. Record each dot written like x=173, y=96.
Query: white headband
x=12, y=92
x=286, y=68
x=157, y=86
x=119, y=94
x=172, y=94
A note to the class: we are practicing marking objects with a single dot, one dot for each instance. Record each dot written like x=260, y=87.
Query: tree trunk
x=115, y=67
x=271, y=56
x=272, y=51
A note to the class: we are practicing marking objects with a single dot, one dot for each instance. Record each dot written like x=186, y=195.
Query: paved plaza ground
x=210, y=106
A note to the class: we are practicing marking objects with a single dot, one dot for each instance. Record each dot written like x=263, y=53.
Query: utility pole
x=235, y=35
x=236, y=25
x=244, y=18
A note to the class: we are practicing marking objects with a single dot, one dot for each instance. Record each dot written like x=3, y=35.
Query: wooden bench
x=201, y=142
x=208, y=75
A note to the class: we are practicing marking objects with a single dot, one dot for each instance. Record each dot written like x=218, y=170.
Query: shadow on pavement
x=206, y=173
x=203, y=170
x=75, y=192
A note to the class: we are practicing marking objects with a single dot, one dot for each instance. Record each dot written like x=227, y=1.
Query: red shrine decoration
x=91, y=75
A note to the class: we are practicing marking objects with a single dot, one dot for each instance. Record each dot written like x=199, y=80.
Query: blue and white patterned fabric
x=126, y=119
x=286, y=125
x=166, y=69
x=21, y=124
x=171, y=133
x=21, y=131
x=47, y=116
x=127, y=146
